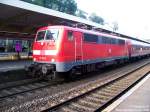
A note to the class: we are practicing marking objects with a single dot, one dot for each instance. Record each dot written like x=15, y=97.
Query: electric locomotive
x=61, y=49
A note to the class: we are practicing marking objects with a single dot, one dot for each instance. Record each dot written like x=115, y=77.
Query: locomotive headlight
x=34, y=59
x=41, y=43
x=52, y=60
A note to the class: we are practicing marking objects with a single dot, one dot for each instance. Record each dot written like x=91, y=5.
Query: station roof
x=19, y=16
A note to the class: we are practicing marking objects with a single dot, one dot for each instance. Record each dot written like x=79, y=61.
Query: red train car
x=63, y=49
x=139, y=49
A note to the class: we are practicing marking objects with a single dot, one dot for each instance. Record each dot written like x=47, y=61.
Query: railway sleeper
x=110, y=90
x=81, y=108
x=94, y=99
x=104, y=93
x=88, y=103
x=102, y=99
x=66, y=109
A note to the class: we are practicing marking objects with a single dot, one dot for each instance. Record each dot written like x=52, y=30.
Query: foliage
x=93, y=17
x=67, y=6
x=81, y=14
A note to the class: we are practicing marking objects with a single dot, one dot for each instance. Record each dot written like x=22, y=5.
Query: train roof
x=107, y=33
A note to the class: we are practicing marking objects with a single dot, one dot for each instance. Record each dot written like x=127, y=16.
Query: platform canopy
x=20, y=16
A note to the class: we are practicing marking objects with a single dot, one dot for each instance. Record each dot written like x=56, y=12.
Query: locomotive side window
x=90, y=38
x=114, y=41
x=106, y=40
x=40, y=35
x=70, y=35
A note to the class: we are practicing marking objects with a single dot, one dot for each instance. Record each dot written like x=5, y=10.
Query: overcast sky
x=133, y=16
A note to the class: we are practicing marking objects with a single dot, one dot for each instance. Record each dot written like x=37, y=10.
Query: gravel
x=46, y=97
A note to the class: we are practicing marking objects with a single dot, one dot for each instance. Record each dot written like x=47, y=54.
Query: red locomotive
x=59, y=49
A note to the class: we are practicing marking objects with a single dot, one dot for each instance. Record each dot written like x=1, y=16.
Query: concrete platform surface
x=13, y=65
x=135, y=100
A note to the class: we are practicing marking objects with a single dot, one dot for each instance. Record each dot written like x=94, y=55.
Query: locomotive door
x=78, y=46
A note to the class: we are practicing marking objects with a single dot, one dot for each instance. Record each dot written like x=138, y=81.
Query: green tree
x=66, y=6
x=93, y=17
x=81, y=14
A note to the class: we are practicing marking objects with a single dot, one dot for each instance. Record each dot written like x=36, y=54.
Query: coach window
x=103, y=40
x=121, y=42
x=70, y=35
x=106, y=40
x=109, y=40
x=100, y=40
x=113, y=41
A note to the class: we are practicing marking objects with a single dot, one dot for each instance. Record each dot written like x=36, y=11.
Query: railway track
x=17, y=83
x=61, y=100
x=12, y=89
x=99, y=97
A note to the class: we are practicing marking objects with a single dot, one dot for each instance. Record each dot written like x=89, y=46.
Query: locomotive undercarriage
x=49, y=70
x=40, y=70
x=83, y=69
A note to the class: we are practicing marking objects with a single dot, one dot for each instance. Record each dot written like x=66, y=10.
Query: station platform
x=13, y=65
x=135, y=100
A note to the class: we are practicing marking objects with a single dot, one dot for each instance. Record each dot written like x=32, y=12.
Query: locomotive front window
x=51, y=34
x=40, y=35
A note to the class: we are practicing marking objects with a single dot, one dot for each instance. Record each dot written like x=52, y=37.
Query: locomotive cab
x=45, y=45
x=45, y=50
